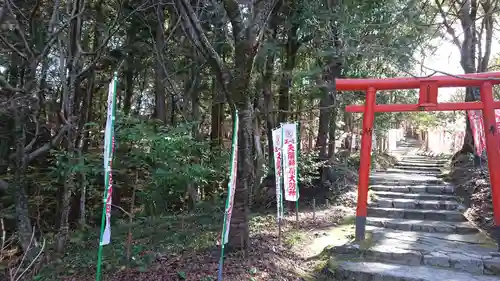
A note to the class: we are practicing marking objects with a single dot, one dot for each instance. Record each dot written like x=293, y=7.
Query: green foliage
x=170, y=157
x=309, y=168
x=161, y=162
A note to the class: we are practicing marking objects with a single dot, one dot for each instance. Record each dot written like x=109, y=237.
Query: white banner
x=109, y=145
x=278, y=171
x=232, y=181
x=289, y=151
x=108, y=131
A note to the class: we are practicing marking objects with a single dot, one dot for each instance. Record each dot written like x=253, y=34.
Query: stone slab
x=416, y=214
x=408, y=176
x=406, y=166
x=373, y=271
x=406, y=180
x=423, y=225
x=422, y=162
x=408, y=203
x=471, y=253
x=404, y=171
x=416, y=188
x=418, y=196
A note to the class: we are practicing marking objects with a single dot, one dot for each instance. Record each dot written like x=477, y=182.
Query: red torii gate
x=427, y=102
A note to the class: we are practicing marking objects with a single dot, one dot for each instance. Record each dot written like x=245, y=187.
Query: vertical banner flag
x=476, y=124
x=232, y=181
x=278, y=171
x=109, y=146
x=289, y=151
x=230, y=194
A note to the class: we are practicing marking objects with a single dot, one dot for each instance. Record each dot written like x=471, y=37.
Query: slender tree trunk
x=160, y=75
x=292, y=47
x=269, y=105
x=218, y=99
x=129, y=71
x=325, y=105
x=24, y=226
x=74, y=66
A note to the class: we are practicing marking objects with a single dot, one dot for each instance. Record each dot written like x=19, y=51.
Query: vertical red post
x=364, y=165
x=492, y=141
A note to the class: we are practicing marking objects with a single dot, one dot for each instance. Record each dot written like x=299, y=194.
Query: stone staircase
x=416, y=232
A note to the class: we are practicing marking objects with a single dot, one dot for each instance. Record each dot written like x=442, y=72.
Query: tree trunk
x=292, y=46
x=24, y=227
x=325, y=105
x=218, y=100
x=239, y=232
x=160, y=75
x=71, y=91
x=268, y=105
x=129, y=71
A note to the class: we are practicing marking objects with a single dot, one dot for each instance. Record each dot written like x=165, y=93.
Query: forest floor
x=186, y=249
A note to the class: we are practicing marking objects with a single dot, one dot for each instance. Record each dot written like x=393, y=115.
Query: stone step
x=473, y=253
x=423, y=165
x=350, y=271
x=403, y=171
x=433, y=189
x=423, y=225
x=407, y=181
x=416, y=214
x=404, y=179
x=419, y=196
x=407, y=203
x=424, y=157
x=417, y=167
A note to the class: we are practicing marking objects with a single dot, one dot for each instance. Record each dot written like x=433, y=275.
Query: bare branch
x=32, y=16
x=26, y=252
x=233, y=12
x=19, y=31
x=198, y=37
x=32, y=261
x=121, y=209
x=207, y=48
x=46, y=147
x=488, y=26
x=30, y=156
x=4, y=84
x=264, y=10
x=29, y=147
x=111, y=31
x=449, y=28
x=13, y=48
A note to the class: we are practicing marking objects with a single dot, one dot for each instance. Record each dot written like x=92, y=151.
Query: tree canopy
x=184, y=69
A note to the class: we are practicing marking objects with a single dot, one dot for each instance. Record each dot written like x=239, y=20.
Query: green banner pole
x=230, y=195
x=108, y=155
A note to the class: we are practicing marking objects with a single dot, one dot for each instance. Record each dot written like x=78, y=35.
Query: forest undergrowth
x=187, y=246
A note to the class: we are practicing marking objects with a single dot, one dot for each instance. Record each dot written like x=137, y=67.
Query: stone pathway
x=416, y=232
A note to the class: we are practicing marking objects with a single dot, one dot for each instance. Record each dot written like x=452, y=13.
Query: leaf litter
x=265, y=260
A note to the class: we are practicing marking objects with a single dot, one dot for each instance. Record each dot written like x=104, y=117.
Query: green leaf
x=253, y=270
x=182, y=275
